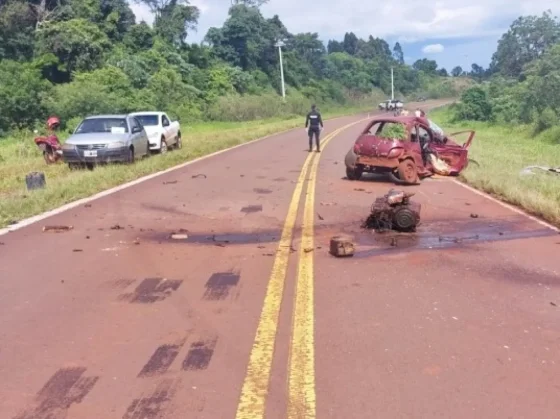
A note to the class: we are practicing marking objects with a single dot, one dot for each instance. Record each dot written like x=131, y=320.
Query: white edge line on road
x=508, y=206
x=32, y=220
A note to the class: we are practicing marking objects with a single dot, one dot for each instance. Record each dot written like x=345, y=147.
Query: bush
x=21, y=93
x=547, y=119
x=474, y=106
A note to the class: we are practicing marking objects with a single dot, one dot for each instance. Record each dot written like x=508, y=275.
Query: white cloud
x=405, y=20
x=433, y=49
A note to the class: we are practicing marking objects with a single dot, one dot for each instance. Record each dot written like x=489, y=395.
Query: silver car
x=106, y=139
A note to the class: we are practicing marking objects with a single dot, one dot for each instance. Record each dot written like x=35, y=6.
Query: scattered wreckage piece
x=394, y=211
x=57, y=229
x=407, y=148
x=35, y=180
x=179, y=235
x=341, y=246
x=529, y=170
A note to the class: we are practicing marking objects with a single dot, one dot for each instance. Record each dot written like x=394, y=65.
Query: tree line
x=78, y=57
x=522, y=83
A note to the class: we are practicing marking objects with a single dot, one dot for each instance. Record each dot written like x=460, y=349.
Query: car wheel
x=354, y=174
x=407, y=172
x=179, y=143
x=130, y=156
x=163, y=147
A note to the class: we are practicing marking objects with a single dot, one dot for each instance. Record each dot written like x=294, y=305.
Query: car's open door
x=453, y=154
x=468, y=143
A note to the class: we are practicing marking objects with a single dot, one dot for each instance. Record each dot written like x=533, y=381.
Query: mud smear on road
x=262, y=191
x=434, y=235
x=119, y=284
x=154, y=405
x=219, y=238
x=151, y=290
x=200, y=354
x=428, y=239
x=518, y=274
x=219, y=285
x=250, y=209
x=161, y=360
x=65, y=388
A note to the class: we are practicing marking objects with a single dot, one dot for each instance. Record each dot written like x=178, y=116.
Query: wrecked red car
x=407, y=148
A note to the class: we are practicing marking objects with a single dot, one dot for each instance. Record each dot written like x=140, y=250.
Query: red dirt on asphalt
x=457, y=320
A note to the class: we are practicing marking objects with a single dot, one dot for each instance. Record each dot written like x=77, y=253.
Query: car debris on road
x=341, y=246
x=57, y=229
x=35, y=180
x=394, y=211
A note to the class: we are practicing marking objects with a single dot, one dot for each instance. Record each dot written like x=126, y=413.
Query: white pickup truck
x=390, y=105
x=162, y=132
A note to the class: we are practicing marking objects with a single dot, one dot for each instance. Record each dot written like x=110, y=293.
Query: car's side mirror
x=136, y=130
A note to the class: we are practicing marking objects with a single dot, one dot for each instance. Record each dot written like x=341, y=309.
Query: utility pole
x=392, y=85
x=279, y=45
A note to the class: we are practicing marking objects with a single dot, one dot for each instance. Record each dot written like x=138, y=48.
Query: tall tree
x=175, y=20
x=526, y=40
x=477, y=71
x=350, y=43
x=334, y=46
x=457, y=71
x=398, y=54
x=425, y=65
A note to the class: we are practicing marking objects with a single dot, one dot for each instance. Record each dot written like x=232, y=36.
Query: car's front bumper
x=103, y=155
x=154, y=144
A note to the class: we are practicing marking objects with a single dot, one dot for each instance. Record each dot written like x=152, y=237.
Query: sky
x=452, y=32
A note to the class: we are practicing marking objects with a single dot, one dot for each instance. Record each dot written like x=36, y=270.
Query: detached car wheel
x=407, y=172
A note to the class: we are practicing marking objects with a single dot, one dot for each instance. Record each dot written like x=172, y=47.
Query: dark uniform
x=314, y=123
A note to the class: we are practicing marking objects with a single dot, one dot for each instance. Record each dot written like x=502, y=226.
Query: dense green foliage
x=77, y=57
x=522, y=85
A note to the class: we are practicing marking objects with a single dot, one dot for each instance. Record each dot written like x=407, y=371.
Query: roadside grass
x=502, y=152
x=19, y=156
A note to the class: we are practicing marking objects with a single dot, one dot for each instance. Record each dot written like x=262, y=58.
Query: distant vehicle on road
x=162, y=132
x=106, y=139
x=406, y=148
x=390, y=105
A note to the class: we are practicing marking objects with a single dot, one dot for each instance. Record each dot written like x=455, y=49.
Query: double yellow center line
x=301, y=387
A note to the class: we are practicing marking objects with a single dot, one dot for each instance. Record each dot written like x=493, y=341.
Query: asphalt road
x=115, y=319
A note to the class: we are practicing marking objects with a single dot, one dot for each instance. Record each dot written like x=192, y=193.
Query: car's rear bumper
x=380, y=162
x=104, y=155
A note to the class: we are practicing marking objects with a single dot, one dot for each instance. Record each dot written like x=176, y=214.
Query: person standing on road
x=313, y=126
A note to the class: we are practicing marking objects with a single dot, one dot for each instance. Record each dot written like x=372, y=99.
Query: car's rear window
x=388, y=129
x=148, y=120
